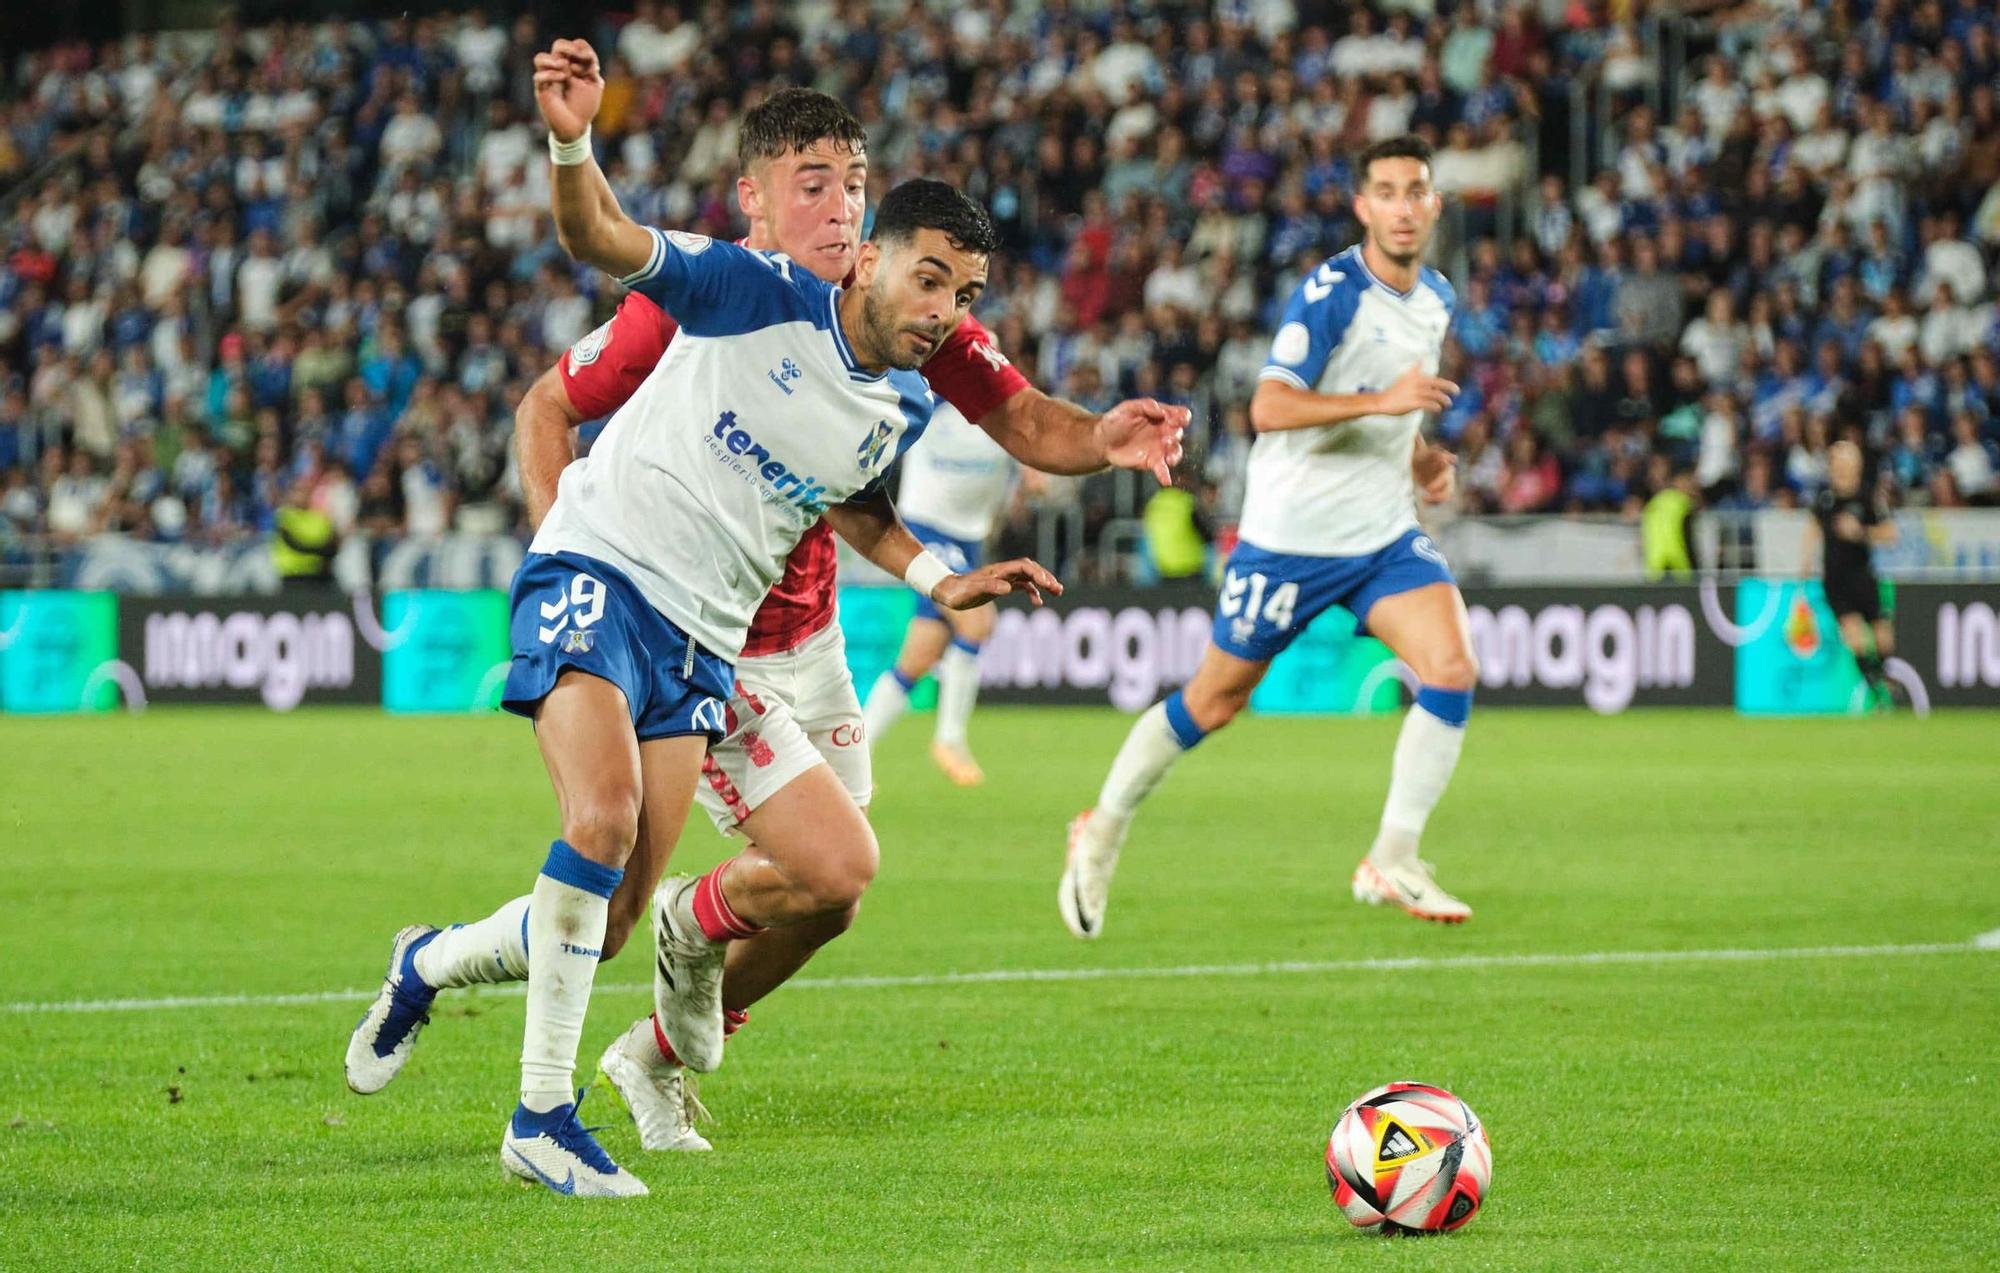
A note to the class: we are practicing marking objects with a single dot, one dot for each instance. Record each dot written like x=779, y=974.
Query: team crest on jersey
x=578, y=641
x=692, y=244
x=586, y=351
x=873, y=447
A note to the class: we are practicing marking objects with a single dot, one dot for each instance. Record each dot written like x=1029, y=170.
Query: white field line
x=1414, y=963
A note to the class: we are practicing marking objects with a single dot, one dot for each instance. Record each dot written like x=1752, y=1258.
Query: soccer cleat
x=556, y=1151
x=958, y=764
x=1407, y=884
x=1086, y=878
x=687, y=977
x=659, y=1094
x=381, y=1042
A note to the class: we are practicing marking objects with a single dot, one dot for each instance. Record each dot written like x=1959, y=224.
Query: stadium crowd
x=314, y=263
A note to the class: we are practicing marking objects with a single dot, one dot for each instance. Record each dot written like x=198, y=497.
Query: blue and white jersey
x=957, y=481
x=1344, y=489
x=756, y=420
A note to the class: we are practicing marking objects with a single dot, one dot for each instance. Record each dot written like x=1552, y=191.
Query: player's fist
x=1143, y=434
x=1436, y=472
x=975, y=588
x=569, y=86
x=1416, y=390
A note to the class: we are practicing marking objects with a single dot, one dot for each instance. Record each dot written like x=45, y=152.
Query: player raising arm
x=792, y=774
x=1330, y=519
x=643, y=578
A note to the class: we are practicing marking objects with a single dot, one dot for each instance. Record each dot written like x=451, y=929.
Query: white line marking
x=1411, y=963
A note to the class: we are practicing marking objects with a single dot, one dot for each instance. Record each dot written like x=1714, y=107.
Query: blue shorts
x=960, y=554
x=575, y=611
x=1269, y=598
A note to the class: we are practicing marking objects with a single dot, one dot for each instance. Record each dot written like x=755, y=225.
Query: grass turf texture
x=1813, y=1112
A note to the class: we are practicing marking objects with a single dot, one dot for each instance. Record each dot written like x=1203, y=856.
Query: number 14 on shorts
x=582, y=605
x=1244, y=598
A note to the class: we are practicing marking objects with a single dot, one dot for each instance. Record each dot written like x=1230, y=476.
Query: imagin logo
x=1968, y=646
x=1131, y=651
x=752, y=460
x=282, y=655
x=1608, y=651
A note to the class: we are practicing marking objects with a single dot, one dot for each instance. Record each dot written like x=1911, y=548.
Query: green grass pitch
x=1822, y=1110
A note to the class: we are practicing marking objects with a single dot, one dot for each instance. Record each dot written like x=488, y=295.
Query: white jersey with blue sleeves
x=1341, y=490
x=957, y=480
x=755, y=421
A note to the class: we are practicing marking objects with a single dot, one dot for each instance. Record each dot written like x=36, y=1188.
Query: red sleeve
x=607, y=366
x=971, y=373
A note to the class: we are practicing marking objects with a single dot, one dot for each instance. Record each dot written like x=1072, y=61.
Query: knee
x=976, y=625
x=603, y=826
x=1458, y=670
x=840, y=876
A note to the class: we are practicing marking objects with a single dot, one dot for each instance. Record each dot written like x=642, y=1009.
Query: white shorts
x=791, y=710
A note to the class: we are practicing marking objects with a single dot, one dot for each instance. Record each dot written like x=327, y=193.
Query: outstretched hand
x=1140, y=433
x=975, y=588
x=569, y=86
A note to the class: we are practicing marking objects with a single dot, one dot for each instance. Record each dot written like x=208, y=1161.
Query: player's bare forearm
x=1047, y=433
x=873, y=529
x=1277, y=406
x=877, y=533
x=590, y=225
x=1060, y=437
x=544, y=442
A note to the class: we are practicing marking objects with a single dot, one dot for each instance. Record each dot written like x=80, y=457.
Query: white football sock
x=887, y=701
x=566, y=922
x=958, y=690
x=1426, y=753
x=484, y=951
x=1149, y=751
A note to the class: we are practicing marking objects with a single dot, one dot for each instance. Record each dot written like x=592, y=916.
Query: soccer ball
x=1409, y=1157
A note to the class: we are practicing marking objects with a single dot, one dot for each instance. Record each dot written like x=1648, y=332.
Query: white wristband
x=926, y=572
x=570, y=153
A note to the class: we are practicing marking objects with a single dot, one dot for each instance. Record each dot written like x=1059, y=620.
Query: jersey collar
x=1362, y=261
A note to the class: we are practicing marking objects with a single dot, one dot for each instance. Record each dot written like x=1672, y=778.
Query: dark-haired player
x=1330, y=519
x=793, y=768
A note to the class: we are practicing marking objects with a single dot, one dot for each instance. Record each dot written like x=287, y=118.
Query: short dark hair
x=1408, y=146
x=925, y=204
x=794, y=119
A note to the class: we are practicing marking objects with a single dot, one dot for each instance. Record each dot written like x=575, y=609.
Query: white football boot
x=660, y=1095
x=1086, y=879
x=687, y=977
x=557, y=1152
x=382, y=1040
x=1407, y=882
